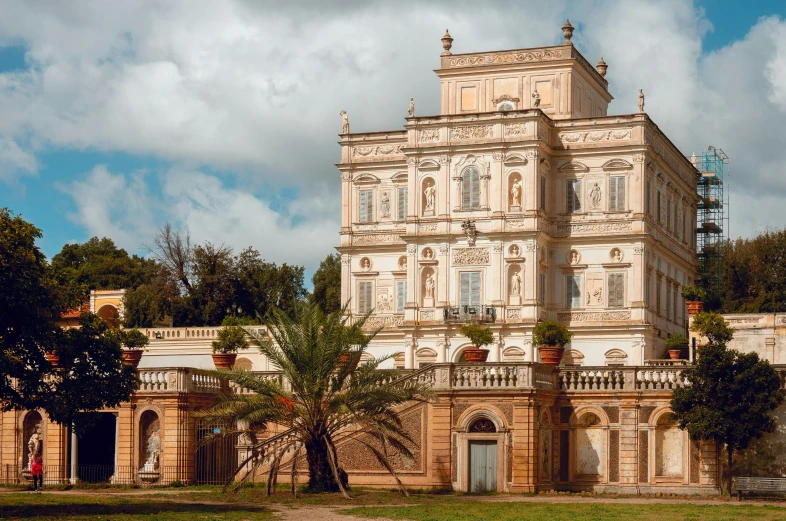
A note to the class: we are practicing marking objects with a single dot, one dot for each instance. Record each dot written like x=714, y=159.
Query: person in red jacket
x=37, y=471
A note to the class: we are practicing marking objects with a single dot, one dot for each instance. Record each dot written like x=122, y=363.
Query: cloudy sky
x=222, y=116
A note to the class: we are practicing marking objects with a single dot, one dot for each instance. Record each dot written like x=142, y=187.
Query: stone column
x=346, y=278
x=409, y=354
x=443, y=284
x=442, y=351
x=74, y=456
x=496, y=350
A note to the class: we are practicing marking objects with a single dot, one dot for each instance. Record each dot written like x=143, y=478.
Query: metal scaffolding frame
x=712, y=220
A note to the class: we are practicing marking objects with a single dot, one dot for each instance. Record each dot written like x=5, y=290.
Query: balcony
x=469, y=314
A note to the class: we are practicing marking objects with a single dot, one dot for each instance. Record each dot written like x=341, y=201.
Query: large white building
x=522, y=200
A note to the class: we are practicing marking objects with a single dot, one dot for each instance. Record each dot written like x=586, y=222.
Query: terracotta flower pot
x=475, y=355
x=132, y=357
x=346, y=358
x=224, y=360
x=674, y=354
x=52, y=358
x=694, y=307
x=551, y=355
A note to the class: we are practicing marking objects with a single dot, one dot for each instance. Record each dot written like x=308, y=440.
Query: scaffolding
x=712, y=220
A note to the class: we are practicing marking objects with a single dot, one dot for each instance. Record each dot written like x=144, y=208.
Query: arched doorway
x=110, y=314
x=482, y=458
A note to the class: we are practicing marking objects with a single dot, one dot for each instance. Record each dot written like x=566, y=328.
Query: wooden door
x=482, y=466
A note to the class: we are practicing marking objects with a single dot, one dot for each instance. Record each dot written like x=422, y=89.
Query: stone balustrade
x=191, y=333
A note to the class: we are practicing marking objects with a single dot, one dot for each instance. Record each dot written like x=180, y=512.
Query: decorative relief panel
x=427, y=315
x=515, y=129
x=595, y=136
x=373, y=151
x=429, y=135
x=531, y=55
x=593, y=316
x=594, y=228
x=377, y=322
x=470, y=256
x=513, y=313
x=516, y=225
x=378, y=238
x=428, y=228
x=472, y=132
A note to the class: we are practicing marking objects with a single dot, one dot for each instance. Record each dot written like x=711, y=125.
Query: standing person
x=37, y=471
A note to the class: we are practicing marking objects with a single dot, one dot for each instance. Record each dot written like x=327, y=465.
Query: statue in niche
x=34, y=445
x=152, y=450
x=535, y=99
x=515, y=285
x=641, y=100
x=430, y=192
x=515, y=192
x=469, y=231
x=574, y=257
x=365, y=264
x=344, y=122
x=411, y=110
x=429, y=286
x=595, y=196
x=616, y=255
x=384, y=207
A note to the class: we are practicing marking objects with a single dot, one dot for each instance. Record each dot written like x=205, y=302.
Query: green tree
x=319, y=354
x=327, y=283
x=731, y=396
x=754, y=274
x=479, y=336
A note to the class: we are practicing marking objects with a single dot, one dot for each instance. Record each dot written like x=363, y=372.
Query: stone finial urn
x=551, y=355
x=447, y=43
x=602, y=67
x=567, y=32
x=473, y=354
x=132, y=357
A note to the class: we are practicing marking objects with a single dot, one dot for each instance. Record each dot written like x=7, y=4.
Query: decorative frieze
x=593, y=316
x=470, y=256
x=530, y=55
x=379, y=150
x=515, y=129
x=429, y=135
x=611, y=227
x=513, y=314
x=596, y=136
x=427, y=316
x=516, y=225
x=376, y=238
x=472, y=132
x=377, y=322
x=428, y=228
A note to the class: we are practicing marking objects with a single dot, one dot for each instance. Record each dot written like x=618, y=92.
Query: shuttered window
x=647, y=290
x=616, y=290
x=573, y=291
x=668, y=214
x=365, y=296
x=658, y=284
x=402, y=204
x=470, y=188
x=573, y=196
x=674, y=302
x=401, y=295
x=543, y=192
x=668, y=301
x=648, y=197
x=542, y=295
x=657, y=205
x=617, y=194
x=366, y=206
x=469, y=292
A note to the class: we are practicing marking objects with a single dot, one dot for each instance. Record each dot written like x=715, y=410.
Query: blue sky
x=222, y=116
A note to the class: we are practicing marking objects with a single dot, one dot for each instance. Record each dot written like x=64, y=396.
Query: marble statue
x=429, y=286
x=515, y=192
x=641, y=100
x=365, y=264
x=617, y=255
x=344, y=122
x=595, y=196
x=153, y=450
x=411, y=110
x=574, y=257
x=34, y=443
x=385, y=206
x=430, y=192
x=535, y=99
x=515, y=285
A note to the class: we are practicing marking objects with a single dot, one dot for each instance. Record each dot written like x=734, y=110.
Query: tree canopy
x=731, y=396
x=327, y=284
x=754, y=274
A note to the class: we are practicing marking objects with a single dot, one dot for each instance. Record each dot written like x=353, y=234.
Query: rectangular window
x=647, y=290
x=668, y=214
x=617, y=194
x=402, y=204
x=365, y=296
x=657, y=205
x=470, y=188
x=658, y=284
x=542, y=294
x=683, y=226
x=469, y=291
x=573, y=196
x=674, y=302
x=573, y=291
x=616, y=290
x=668, y=301
x=401, y=295
x=366, y=206
x=647, y=197
x=543, y=192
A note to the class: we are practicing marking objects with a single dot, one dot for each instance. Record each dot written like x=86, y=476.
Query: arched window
x=483, y=425
x=470, y=188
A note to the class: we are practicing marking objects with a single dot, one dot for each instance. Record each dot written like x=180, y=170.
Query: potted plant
x=694, y=299
x=230, y=339
x=551, y=338
x=479, y=336
x=134, y=343
x=52, y=357
x=675, y=344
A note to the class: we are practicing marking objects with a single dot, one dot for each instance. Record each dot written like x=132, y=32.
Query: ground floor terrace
x=504, y=427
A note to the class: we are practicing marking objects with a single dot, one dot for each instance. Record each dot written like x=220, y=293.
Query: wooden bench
x=751, y=484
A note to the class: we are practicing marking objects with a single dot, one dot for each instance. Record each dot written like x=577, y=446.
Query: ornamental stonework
x=470, y=256
x=377, y=238
x=515, y=130
x=429, y=135
x=377, y=322
x=380, y=150
x=472, y=132
x=596, y=136
x=593, y=316
x=593, y=228
x=478, y=60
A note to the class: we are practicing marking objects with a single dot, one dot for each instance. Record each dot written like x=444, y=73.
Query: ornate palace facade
x=522, y=200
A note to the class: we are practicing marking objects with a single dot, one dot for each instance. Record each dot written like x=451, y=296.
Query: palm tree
x=328, y=392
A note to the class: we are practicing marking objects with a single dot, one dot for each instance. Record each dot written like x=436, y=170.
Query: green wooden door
x=482, y=466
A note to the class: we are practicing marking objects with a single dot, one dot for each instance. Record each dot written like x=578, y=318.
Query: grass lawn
x=463, y=510
x=27, y=505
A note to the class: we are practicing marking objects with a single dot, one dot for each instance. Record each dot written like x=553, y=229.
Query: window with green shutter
x=402, y=204
x=648, y=197
x=365, y=296
x=543, y=192
x=617, y=194
x=542, y=295
x=470, y=188
x=469, y=290
x=366, y=210
x=401, y=295
x=573, y=291
x=616, y=292
x=573, y=196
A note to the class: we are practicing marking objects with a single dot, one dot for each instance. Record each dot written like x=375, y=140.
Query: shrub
x=551, y=333
x=134, y=339
x=479, y=336
x=694, y=294
x=676, y=341
x=230, y=339
x=713, y=326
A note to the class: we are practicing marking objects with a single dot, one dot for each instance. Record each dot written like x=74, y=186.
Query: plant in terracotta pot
x=52, y=357
x=229, y=340
x=551, y=338
x=675, y=344
x=694, y=299
x=134, y=343
x=480, y=337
